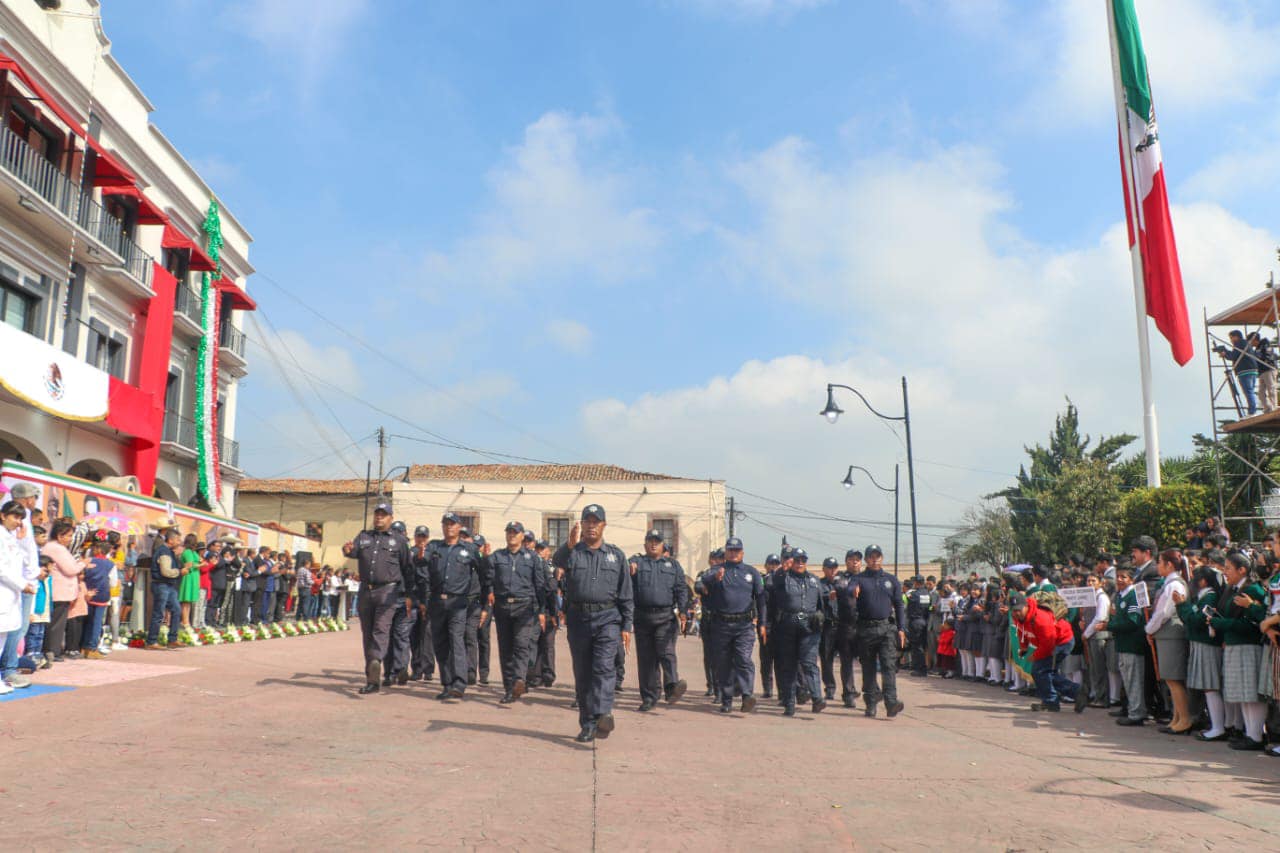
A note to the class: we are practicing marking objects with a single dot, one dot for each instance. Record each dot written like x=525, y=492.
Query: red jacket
x=1040, y=629
x=947, y=642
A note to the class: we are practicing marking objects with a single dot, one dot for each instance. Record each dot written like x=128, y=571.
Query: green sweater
x=1126, y=624
x=1191, y=612
x=1239, y=625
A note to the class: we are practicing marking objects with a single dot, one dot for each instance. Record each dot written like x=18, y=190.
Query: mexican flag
x=1150, y=229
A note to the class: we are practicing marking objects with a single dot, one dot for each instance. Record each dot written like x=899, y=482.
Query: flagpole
x=1150, y=429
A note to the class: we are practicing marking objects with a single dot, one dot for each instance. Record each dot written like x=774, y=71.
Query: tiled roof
x=471, y=473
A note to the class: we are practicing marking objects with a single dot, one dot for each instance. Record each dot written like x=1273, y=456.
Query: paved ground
x=266, y=744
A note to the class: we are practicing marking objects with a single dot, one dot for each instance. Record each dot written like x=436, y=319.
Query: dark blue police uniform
x=880, y=617
x=598, y=606
x=519, y=595
x=383, y=561
x=736, y=601
x=446, y=583
x=796, y=605
x=767, y=657
x=660, y=590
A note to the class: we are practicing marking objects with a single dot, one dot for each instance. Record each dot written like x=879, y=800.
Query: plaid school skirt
x=1240, y=665
x=1204, y=667
x=1267, y=672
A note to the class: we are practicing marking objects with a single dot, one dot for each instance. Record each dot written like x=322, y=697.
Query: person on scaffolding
x=1245, y=365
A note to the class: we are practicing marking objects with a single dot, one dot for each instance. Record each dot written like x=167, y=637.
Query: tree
x=1032, y=498
x=1082, y=510
x=1165, y=513
x=990, y=532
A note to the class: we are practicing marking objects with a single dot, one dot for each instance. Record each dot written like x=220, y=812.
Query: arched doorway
x=92, y=470
x=20, y=450
x=165, y=492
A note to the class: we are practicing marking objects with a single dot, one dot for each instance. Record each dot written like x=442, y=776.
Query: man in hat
x=830, y=625
x=714, y=560
x=735, y=595
x=452, y=569
x=796, y=605
x=660, y=592
x=598, y=608
x=422, y=658
x=27, y=495
x=771, y=571
x=383, y=561
x=479, y=616
x=847, y=627
x=405, y=619
x=519, y=609
x=881, y=632
x=543, y=671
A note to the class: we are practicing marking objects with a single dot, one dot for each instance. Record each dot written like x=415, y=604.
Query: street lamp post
x=832, y=413
x=847, y=482
x=368, y=486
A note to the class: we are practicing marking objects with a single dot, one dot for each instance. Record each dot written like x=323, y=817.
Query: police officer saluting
x=660, y=591
x=519, y=608
x=383, y=561
x=796, y=602
x=445, y=583
x=598, y=600
x=735, y=594
x=880, y=632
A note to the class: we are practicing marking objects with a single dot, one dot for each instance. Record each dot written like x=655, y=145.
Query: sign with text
x=1079, y=596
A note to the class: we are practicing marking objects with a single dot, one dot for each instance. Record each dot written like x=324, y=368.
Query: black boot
x=372, y=675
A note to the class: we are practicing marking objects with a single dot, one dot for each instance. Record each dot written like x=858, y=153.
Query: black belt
x=799, y=614
x=876, y=621
x=510, y=600
x=371, y=583
x=659, y=609
x=591, y=608
x=744, y=616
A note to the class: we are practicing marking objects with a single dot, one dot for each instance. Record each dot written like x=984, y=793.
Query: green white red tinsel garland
x=208, y=471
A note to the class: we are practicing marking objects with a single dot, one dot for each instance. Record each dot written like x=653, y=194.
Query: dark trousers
x=593, y=644
x=55, y=636
x=243, y=601
x=846, y=651
x=304, y=604
x=422, y=657
x=1051, y=684
x=477, y=643
x=656, y=655
x=544, y=665
x=917, y=631
x=377, y=609
x=449, y=639
x=731, y=644
x=266, y=606
x=402, y=623
x=93, y=628
x=878, y=644
x=75, y=631
x=708, y=657
x=766, y=662
x=164, y=598
x=619, y=667
x=827, y=654
x=516, y=640
x=797, y=651
x=282, y=599
x=213, y=605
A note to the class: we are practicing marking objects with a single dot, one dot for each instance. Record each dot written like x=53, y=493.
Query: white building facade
x=104, y=308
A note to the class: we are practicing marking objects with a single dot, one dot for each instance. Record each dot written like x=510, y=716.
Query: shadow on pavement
x=488, y=728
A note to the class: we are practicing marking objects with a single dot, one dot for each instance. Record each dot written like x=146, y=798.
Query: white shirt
x=12, y=561
x=1102, y=613
x=30, y=551
x=1165, y=606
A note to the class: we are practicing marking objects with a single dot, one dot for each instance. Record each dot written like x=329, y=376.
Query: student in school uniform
x=1204, y=652
x=962, y=633
x=1170, y=637
x=1125, y=625
x=983, y=653
x=1240, y=610
x=1269, y=673
x=971, y=646
x=1104, y=685
x=995, y=641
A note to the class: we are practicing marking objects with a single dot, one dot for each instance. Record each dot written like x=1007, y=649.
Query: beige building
x=545, y=498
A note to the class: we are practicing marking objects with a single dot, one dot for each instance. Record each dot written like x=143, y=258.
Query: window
x=116, y=364
x=670, y=530
x=18, y=309
x=556, y=530
x=470, y=521
x=96, y=352
x=314, y=529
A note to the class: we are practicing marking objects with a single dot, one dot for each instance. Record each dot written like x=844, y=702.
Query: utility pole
x=731, y=513
x=382, y=455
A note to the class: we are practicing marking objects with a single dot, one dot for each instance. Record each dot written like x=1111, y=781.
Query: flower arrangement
x=164, y=635
x=277, y=630
x=209, y=636
x=260, y=632
x=137, y=639
x=187, y=637
x=342, y=624
x=231, y=634
x=290, y=629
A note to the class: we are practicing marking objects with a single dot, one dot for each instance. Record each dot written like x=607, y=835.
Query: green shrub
x=1165, y=513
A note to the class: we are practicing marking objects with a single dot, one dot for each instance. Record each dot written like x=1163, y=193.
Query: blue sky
x=649, y=232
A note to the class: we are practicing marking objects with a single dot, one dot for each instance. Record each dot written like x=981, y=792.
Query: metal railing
x=47, y=181
x=178, y=430
x=187, y=303
x=232, y=339
x=229, y=452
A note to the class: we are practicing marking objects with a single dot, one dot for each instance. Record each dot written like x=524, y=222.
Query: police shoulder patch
x=462, y=553
x=888, y=584
x=612, y=558
x=750, y=576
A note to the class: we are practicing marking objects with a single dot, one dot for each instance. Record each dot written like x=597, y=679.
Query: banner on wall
x=132, y=514
x=44, y=376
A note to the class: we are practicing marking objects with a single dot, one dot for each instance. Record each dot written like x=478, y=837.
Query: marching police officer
x=598, y=611
x=881, y=632
x=478, y=618
x=543, y=672
x=830, y=624
x=846, y=631
x=660, y=592
x=382, y=558
x=714, y=560
x=796, y=604
x=396, y=665
x=920, y=604
x=519, y=608
x=422, y=659
x=452, y=569
x=771, y=569
x=735, y=594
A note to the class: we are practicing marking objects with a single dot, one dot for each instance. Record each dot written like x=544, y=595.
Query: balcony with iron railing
x=231, y=342
x=179, y=430
x=229, y=452
x=186, y=307
x=47, y=181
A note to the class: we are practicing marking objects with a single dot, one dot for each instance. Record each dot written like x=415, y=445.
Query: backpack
x=1053, y=602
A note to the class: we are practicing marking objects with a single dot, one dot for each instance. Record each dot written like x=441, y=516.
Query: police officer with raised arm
x=735, y=594
x=796, y=603
x=598, y=602
x=383, y=561
x=881, y=634
x=660, y=593
x=452, y=568
x=519, y=608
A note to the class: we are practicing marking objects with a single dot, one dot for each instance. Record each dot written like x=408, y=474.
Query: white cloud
x=748, y=8
x=306, y=35
x=570, y=335
x=328, y=362
x=553, y=212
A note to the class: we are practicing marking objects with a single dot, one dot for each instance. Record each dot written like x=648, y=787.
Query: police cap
x=787, y=552
x=717, y=554
x=398, y=527
x=772, y=560
x=478, y=540
x=653, y=536
x=853, y=552
x=733, y=543
x=540, y=544
x=528, y=536
x=593, y=510
x=382, y=506
x=422, y=530
x=829, y=563
x=874, y=549
x=450, y=518
x=800, y=555
x=515, y=526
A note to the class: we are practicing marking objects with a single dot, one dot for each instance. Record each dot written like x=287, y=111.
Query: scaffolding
x=1244, y=445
